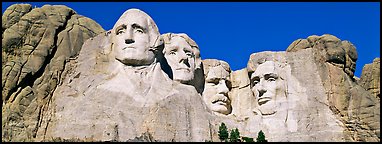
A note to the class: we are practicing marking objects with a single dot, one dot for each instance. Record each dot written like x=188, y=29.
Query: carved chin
x=267, y=109
x=136, y=61
x=183, y=77
x=267, y=112
x=220, y=109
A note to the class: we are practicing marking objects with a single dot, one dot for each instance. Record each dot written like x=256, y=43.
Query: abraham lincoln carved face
x=268, y=87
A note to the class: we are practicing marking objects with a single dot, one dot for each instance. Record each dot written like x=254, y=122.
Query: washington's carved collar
x=142, y=69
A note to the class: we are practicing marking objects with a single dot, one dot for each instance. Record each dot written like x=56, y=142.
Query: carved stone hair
x=167, y=40
x=208, y=63
x=257, y=59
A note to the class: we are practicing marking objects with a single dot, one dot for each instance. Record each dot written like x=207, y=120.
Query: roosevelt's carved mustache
x=220, y=98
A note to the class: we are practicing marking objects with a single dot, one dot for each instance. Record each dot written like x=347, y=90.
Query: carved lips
x=132, y=47
x=183, y=69
x=263, y=100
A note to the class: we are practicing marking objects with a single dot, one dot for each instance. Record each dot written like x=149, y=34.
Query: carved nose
x=182, y=56
x=261, y=92
x=129, y=41
x=261, y=89
x=222, y=89
x=184, y=59
x=185, y=62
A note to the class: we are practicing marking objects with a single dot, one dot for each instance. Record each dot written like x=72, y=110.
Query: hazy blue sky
x=232, y=31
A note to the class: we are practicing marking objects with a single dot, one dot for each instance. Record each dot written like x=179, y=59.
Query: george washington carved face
x=135, y=37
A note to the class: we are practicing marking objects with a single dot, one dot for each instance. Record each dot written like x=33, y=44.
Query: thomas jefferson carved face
x=181, y=59
x=180, y=53
x=134, y=35
x=267, y=86
x=216, y=88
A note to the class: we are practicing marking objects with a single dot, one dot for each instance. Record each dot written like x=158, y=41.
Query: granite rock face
x=104, y=99
x=36, y=44
x=331, y=49
x=67, y=79
x=355, y=107
x=371, y=78
x=315, y=94
x=173, y=112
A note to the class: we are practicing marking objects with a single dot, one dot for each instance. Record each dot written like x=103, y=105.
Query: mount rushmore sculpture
x=132, y=82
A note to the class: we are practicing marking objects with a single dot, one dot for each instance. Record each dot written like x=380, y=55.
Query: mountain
x=64, y=79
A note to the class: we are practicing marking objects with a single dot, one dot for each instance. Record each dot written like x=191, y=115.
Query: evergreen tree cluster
x=234, y=135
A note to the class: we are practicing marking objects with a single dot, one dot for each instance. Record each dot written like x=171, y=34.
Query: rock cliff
x=36, y=44
x=371, y=78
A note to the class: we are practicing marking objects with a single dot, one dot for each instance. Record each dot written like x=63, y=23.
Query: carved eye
x=190, y=54
x=228, y=84
x=172, y=52
x=138, y=30
x=120, y=31
x=271, y=79
x=214, y=81
x=255, y=82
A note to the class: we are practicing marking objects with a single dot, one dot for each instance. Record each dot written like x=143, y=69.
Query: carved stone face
x=216, y=89
x=181, y=58
x=132, y=39
x=267, y=86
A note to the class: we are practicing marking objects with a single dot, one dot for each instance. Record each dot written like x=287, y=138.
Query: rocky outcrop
x=331, y=49
x=13, y=14
x=335, y=62
x=371, y=78
x=36, y=44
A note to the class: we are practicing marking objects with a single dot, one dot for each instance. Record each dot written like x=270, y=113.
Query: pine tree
x=223, y=132
x=261, y=137
x=234, y=136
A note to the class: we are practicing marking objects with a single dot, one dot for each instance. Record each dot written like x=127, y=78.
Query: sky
x=232, y=31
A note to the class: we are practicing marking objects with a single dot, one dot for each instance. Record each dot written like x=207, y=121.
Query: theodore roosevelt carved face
x=217, y=86
x=267, y=86
x=135, y=38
